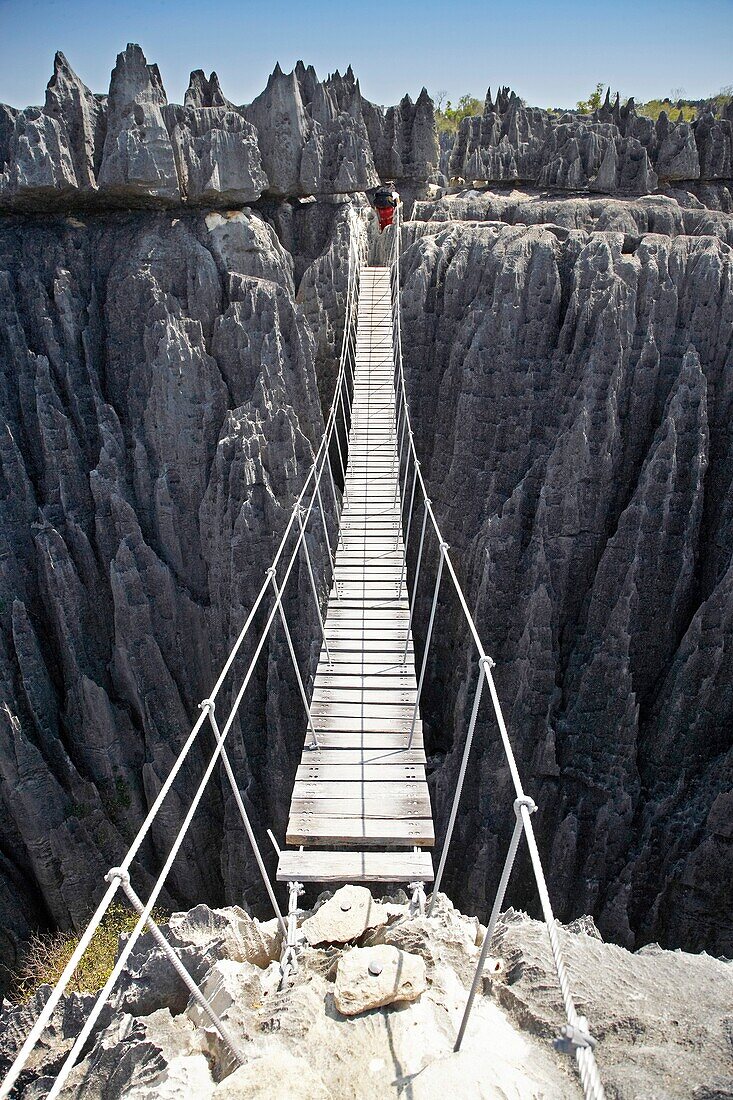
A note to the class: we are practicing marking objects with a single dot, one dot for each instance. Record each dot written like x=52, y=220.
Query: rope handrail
x=575, y=1037
x=119, y=876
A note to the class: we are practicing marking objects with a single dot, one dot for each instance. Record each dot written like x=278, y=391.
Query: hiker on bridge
x=385, y=203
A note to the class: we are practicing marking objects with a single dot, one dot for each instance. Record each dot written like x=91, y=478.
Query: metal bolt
x=375, y=968
x=345, y=906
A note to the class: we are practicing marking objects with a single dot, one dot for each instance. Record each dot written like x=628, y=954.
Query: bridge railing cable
x=575, y=1036
x=309, y=499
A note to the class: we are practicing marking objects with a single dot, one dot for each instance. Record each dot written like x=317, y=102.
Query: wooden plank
x=378, y=627
x=361, y=636
x=336, y=700
x=369, y=741
x=359, y=711
x=370, y=802
x=355, y=867
x=363, y=755
x=370, y=670
x=404, y=833
x=377, y=681
x=328, y=774
x=364, y=791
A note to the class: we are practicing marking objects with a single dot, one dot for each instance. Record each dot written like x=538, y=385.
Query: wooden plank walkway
x=363, y=788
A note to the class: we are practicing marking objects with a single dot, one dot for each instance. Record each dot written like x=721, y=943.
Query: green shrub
x=49, y=952
x=449, y=118
x=654, y=107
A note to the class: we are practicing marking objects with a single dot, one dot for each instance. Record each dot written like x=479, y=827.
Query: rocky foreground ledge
x=663, y=1019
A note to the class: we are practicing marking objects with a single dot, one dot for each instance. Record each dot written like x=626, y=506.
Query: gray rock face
x=677, y=214
x=300, y=137
x=137, y=158
x=217, y=155
x=312, y=134
x=615, y=150
x=639, y=1006
x=404, y=139
x=570, y=394
x=161, y=408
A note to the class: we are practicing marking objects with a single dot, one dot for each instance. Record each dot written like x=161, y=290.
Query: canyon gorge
x=173, y=289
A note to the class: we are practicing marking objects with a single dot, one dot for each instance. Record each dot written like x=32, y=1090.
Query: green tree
x=449, y=118
x=593, y=102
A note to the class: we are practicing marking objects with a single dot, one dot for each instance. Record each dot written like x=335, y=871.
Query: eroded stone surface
x=297, y=1042
x=347, y=915
x=374, y=976
x=585, y=375
x=302, y=136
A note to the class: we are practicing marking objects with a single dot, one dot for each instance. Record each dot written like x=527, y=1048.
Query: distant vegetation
x=48, y=953
x=593, y=102
x=448, y=117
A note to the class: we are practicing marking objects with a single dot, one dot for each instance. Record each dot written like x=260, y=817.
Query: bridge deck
x=363, y=787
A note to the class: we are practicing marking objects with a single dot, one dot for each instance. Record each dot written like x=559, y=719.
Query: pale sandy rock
x=297, y=1040
x=234, y=991
x=374, y=976
x=230, y=932
x=155, y=1056
x=245, y=244
x=349, y=913
x=279, y=1076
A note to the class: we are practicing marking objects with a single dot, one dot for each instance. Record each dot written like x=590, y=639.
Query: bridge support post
x=443, y=552
x=484, y=663
x=417, y=578
x=289, y=960
x=519, y=803
x=313, y=586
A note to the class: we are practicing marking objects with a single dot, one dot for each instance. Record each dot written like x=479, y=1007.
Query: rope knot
x=207, y=704
x=524, y=802
x=118, y=873
x=488, y=662
x=270, y=572
x=573, y=1037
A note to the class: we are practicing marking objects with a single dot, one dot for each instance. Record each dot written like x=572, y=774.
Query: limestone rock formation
x=678, y=213
x=137, y=158
x=570, y=392
x=347, y=915
x=300, y=137
x=371, y=977
x=161, y=408
x=614, y=150
x=299, y=1040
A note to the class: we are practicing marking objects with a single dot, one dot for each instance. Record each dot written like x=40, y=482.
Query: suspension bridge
x=360, y=808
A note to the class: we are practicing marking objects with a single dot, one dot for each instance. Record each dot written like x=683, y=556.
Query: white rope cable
x=320, y=461
x=587, y=1066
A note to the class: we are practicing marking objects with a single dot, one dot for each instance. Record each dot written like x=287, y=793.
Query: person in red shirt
x=385, y=204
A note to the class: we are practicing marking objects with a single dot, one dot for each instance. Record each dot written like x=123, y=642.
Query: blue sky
x=551, y=53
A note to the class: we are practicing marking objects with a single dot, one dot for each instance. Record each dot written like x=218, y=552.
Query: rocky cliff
x=301, y=136
x=161, y=405
x=613, y=150
x=342, y=1029
x=571, y=391
x=172, y=301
